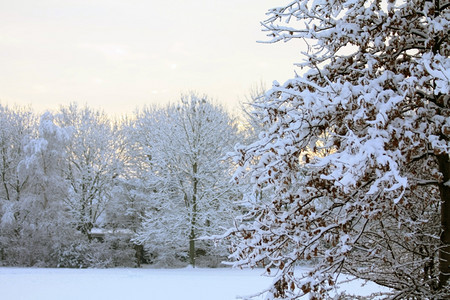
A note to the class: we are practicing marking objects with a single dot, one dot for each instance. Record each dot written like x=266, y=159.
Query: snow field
x=149, y=284
x=112, y=284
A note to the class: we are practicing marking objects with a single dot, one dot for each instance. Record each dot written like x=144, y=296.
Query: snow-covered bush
x=113, y=252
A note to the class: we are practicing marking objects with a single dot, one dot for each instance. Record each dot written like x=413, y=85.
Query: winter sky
x=121, y=54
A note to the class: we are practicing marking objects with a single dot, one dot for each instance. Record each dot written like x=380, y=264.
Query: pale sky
x=121, y=54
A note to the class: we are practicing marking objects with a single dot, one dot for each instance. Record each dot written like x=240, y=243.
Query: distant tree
x=43, y=222
x=44, y=162
x=17, y=127
x=183, y=147
x=252, y=123
x=355, y=154
x=93, y=164
x=127, y=206
x=58, y=176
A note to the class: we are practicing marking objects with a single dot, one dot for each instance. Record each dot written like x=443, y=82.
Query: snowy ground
x=124, y=284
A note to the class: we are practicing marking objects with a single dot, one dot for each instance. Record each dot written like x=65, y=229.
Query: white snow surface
x=152, y=284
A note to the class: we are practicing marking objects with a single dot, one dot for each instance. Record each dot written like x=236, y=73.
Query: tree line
x=81, y=190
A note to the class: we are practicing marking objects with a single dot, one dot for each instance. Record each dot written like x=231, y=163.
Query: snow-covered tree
x=16, y=130
x=93, y=164
x=41, y=170
x=182, y=147
x=127, y=206
x=252, y=124
x=356, y=154
x=42, y=220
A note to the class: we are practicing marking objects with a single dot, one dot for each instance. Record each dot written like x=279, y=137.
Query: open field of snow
x=153, y=284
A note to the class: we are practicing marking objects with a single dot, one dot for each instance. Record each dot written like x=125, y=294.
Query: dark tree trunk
x=192, y=235
x=444, y=188
x=139, y=254
x=192, y=248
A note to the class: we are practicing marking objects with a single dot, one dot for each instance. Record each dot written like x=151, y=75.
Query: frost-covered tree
x=189, y=196
x=41, y=170
x=93, y=164
x=42, y=222
x=16, y=130
x=252, y=124
x=356, y=154
x=127, y=206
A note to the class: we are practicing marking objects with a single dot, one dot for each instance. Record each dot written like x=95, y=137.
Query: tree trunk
x=5, y=184
x=444, y=252
x=192, y=235
x=192, y=248
x=139, y=254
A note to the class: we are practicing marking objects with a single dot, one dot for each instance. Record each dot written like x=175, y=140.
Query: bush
x=113, y=252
